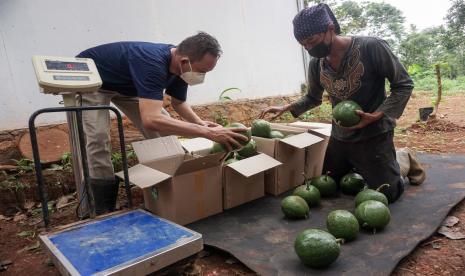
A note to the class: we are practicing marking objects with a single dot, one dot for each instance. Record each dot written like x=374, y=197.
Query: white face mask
x=191, y=77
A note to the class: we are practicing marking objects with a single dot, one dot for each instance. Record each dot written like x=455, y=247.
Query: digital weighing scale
x=129, y=243
x=70, y=76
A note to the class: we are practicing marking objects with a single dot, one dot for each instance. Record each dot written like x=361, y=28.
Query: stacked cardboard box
x=316, y=155
x=291, y=152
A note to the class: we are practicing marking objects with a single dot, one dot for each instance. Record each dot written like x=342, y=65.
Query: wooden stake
x=438, y=99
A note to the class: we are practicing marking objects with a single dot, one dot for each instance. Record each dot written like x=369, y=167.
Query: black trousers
x=374, y=159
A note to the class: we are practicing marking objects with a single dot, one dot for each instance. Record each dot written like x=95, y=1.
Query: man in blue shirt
x=135, y=76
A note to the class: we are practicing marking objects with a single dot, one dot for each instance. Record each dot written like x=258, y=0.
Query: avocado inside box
x=243, y=180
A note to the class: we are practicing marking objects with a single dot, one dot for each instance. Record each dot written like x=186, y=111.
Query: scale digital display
x=64, y=75
x=71, y=78
x=66, y=65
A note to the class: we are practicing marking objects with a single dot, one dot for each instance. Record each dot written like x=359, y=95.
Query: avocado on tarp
x=316, y=248
x=295, y=207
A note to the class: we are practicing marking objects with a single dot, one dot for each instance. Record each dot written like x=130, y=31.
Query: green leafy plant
x=38, y=211
x=130, y=154
x=218, y=113
x=66, y=160
x=11, y=183
x=8, y=182
x=220, y=118
x=117, y=158
x=24, y=165
x=222, y=97
x=26, y=234
x=321, y=113
x=286, y=117
x=64, y=165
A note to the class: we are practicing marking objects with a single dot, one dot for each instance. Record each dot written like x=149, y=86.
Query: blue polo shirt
x=137, y=69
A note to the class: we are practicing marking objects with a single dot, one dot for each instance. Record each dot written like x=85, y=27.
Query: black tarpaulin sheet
x=257, y=234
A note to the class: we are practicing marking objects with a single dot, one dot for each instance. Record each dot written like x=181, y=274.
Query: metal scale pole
x=83, y=191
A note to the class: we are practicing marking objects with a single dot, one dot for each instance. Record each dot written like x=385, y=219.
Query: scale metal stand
x=121, y=243
x=70, y=77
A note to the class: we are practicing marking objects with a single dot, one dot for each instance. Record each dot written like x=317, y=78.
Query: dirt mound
x=435, y=125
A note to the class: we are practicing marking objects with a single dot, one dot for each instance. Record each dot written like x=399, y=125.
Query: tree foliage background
x=418, y=50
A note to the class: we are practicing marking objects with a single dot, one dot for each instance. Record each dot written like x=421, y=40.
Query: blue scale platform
x=118, y=240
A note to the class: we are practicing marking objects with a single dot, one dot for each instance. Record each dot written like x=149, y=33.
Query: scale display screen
x=71, y=78
x=66, y=65
x=64, y=75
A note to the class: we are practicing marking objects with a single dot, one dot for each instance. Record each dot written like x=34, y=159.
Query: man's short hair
x=195, y=47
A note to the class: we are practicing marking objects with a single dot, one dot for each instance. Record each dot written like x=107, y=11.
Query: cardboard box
x=316, y=155
x=291, y=152
x=177, y=186
x=244, y=180
x=320, y=129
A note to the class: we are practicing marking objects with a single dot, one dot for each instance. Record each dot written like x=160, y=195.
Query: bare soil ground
x=436, y=256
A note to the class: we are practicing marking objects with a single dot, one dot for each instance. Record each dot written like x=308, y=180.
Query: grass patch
x=449, y=86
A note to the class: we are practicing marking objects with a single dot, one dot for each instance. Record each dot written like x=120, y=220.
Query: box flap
x=265, y=145
x=321, y=128
x=286, y=128
x=199, y=146
x=255, y=164
x=200, y=163
x=302, y=140
x=311, y=125
x=167, y=165
x=143, y=176
x=157, y=148
x=323, y=131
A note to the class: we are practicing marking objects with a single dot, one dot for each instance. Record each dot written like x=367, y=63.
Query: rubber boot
x=112, y=195
x=105, y=193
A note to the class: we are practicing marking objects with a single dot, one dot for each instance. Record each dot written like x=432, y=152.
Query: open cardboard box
x=243, y=180
x=291, y=152
x=316, y=155
x=320, y=129
x=178, y=186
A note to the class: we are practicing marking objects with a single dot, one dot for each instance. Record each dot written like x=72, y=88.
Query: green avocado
x=352, y=183
x=316, y=248
x=372, y=214
x=344, y=113
x=294, y=207
x=342, y=224
x=276, y=134
x=309, y=193
x=370, y=194
x=261, y=128
x=325, y=184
